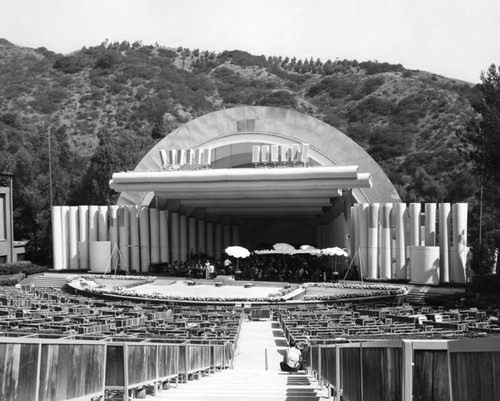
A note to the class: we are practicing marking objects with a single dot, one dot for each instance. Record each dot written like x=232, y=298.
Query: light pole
x=50, y=167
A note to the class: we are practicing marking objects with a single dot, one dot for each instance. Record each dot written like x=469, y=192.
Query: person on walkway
x=292, y=359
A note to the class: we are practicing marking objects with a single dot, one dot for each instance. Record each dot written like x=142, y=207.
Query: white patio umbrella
x=311, y=250
x=284, y=247
x=237, y=252
x=334, y=251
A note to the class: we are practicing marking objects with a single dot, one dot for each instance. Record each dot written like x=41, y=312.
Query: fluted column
x=93, y=223
x=113, y=235
x=103, y=223
x=235, y=233
x=458, y=273
x=400, y=268
x=355, y=234
x=226, y=236
x=183, y=237
x=210, y=239
x=164, y=237
x=363, y=239
x=154, y=232
x=444, y=241
x=192, y=226
x=135, y=253
x=123, y=216
x=65, y=235
x=57, y=240
x=144, y=238
x=415, y=223
x=175, y=236
x=73, y=237
x=430, y=224
x=83, y=225
x=201, y=242
x=386, y=257
x=319, y=233
x=218, y=241
x=373, y=210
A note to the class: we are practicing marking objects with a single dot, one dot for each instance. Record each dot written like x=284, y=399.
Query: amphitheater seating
x=46, y=310
x=379, y=321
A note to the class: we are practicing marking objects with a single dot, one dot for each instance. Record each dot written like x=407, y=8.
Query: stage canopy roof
x=255, y=162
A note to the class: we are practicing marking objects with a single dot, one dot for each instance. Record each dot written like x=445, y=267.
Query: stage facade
x=255, y=176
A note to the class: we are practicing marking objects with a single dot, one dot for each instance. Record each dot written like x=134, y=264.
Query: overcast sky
x=454, y=38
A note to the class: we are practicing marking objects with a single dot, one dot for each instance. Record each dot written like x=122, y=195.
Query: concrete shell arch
x=231, y=132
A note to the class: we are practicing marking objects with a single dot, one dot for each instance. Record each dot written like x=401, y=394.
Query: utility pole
x=50, y=168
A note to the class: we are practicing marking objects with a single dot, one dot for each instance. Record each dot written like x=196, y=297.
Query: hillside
x=107, y=105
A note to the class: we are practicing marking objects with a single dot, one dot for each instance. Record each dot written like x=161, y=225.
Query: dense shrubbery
x=22, y=267
x=11, y=280
x=486, y=284
x=373, y=67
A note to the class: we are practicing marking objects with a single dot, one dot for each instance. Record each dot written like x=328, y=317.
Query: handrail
x=399, y=369
x=49, y=369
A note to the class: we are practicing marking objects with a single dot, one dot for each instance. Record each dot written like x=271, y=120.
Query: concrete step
x=246, y=385
x=45, y=280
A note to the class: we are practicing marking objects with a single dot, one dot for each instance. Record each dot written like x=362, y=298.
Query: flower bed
x=127, y=291
x=354, y=290
x=324, y=291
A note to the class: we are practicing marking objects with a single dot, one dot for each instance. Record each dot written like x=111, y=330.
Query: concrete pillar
x=430, y=224
x=386, y=241
x=355, y=234
x=415, y=223
x=73, y=237
x=192, y=246
x=164, y=237
x=226, y=236
x=235, y=233
x=65, y=235
x=103, y=223
x=318, y=236
x=373, y=220
x=400, y=267
x=201, y=242
x=123, y=216
x=218, y=241
x=145, y=244
x=93, y=223
x=57, y=240
x=113, y=235
x=458, y=268
x=183, y=238
x=444, y=242
x=338, y=231
x=363, y=239
x=332, y=234
x=135, y=252
x=83, y=244
x=210, y=239
x=175, y=244
x=154, y=234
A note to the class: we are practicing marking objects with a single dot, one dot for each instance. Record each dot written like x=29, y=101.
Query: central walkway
x=252, y=379
x=258, y=338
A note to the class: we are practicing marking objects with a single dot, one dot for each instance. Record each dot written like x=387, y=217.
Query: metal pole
x=481, y=224
x=50, y=168
x=11, y=196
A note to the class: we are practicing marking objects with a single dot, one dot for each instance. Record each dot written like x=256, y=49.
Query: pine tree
x=481, y=146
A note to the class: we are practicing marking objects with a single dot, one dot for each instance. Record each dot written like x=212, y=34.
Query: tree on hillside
x=481, y=145
x=483, y=130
